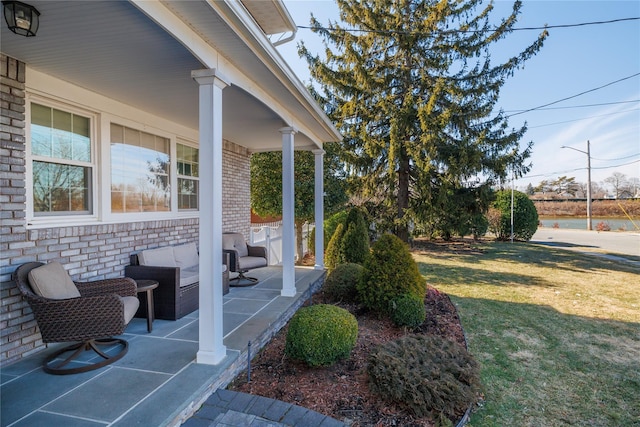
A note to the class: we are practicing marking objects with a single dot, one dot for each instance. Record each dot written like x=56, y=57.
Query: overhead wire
x=615, y=166
x=578, y=169
x=616, y=159
x=583, y=118
x=579, y=106
x=546, y=27
x=574, y=96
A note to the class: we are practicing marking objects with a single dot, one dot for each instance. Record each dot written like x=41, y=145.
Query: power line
x=603, y=167
x=616, y=166
x=574, y=96
x=619, y=158
x=583, y=24
x=579, y=106
x=546, y=27
x=578, y=169
x=584, y=118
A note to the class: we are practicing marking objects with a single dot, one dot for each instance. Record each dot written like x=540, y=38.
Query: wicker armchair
x=101, y=310
x=242, y=258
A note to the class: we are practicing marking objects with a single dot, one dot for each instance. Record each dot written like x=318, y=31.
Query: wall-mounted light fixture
x=21, y=18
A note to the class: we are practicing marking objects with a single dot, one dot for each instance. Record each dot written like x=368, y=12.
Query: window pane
x=59, y=134
x=81, y=139
x=61, y=141
x=139, y=171
x=187, y=194
x=187, y=160
x=60, y=188
x=187, y=177
x=40, y=130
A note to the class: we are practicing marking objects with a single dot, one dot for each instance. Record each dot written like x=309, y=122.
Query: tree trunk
x=402, y=230
x=299, y=247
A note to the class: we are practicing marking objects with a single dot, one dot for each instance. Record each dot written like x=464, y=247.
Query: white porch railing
x=270, y=236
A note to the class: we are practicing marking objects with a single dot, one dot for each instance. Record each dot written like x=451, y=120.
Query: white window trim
x=48, y=220
x=192, y=144
x=100, y=122
x=109, y=216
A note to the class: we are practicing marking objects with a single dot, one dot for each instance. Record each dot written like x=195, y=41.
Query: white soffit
x=114, y=49
x=270, y=15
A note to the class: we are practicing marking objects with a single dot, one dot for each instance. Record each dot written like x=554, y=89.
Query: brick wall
x=18, y=332
x=88, y=252
x=236, y=188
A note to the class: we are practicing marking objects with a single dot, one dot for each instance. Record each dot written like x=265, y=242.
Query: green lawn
x=557, y=333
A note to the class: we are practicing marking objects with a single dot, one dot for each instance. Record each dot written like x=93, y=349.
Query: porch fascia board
x=245, y=27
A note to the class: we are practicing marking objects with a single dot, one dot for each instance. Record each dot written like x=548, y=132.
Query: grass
x=557, y=333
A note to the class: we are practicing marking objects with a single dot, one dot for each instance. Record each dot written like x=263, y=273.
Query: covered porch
x=158, y=382
x=195, y=77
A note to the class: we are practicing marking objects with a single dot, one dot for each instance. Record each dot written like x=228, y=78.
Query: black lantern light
x=21, y=18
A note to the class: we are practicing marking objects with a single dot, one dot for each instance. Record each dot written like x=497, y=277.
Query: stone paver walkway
x=227, y=408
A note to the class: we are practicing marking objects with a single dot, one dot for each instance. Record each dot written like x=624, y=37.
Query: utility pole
x=588, y=185
x=588, y=153
x=513, y=183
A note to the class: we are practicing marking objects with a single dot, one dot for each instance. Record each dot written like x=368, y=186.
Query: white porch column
x=288, y=216
x=319, y=208
x=211, y=348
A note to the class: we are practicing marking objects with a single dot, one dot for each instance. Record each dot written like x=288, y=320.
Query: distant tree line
x=617, y=186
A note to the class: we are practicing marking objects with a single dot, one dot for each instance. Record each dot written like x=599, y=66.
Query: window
x=61, y=162
x=140, y=165
x=188, y=181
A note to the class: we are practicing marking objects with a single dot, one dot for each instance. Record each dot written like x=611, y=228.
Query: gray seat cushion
x=189, y=275
x=52, y=281
x=235, y=241
x=159, y=257
x=131, y=305
x=249, y=262
x=186, y=255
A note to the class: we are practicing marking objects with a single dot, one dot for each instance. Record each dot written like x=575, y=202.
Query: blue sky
x=573, y=60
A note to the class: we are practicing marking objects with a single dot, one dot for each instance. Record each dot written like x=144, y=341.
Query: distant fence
x=270, y=236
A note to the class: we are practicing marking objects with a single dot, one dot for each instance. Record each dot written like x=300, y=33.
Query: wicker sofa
x=176, y=269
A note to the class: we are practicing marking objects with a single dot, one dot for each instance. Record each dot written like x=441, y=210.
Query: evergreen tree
x=410, y=85
x=355, y=241
x=334, y=255
x=530, y=191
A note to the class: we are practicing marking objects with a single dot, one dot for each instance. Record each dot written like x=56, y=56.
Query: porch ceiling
x=114, y=49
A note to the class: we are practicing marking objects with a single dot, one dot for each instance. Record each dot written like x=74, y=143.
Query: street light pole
x=588, y=153
x=588, y=185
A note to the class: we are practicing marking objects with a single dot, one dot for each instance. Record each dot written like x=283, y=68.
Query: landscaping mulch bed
x=341, y=391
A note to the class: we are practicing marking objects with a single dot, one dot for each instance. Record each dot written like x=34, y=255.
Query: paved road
x=613, y=242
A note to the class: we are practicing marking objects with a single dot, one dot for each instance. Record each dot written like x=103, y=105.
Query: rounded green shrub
x=320, y=335
x=340, y=284
x=525, y=216
x=429, y=374
x=407, y=310
x=389, y=271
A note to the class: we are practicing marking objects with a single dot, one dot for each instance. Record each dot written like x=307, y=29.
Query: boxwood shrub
x=340, y=284
x=407, y=310
x=320, y=335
